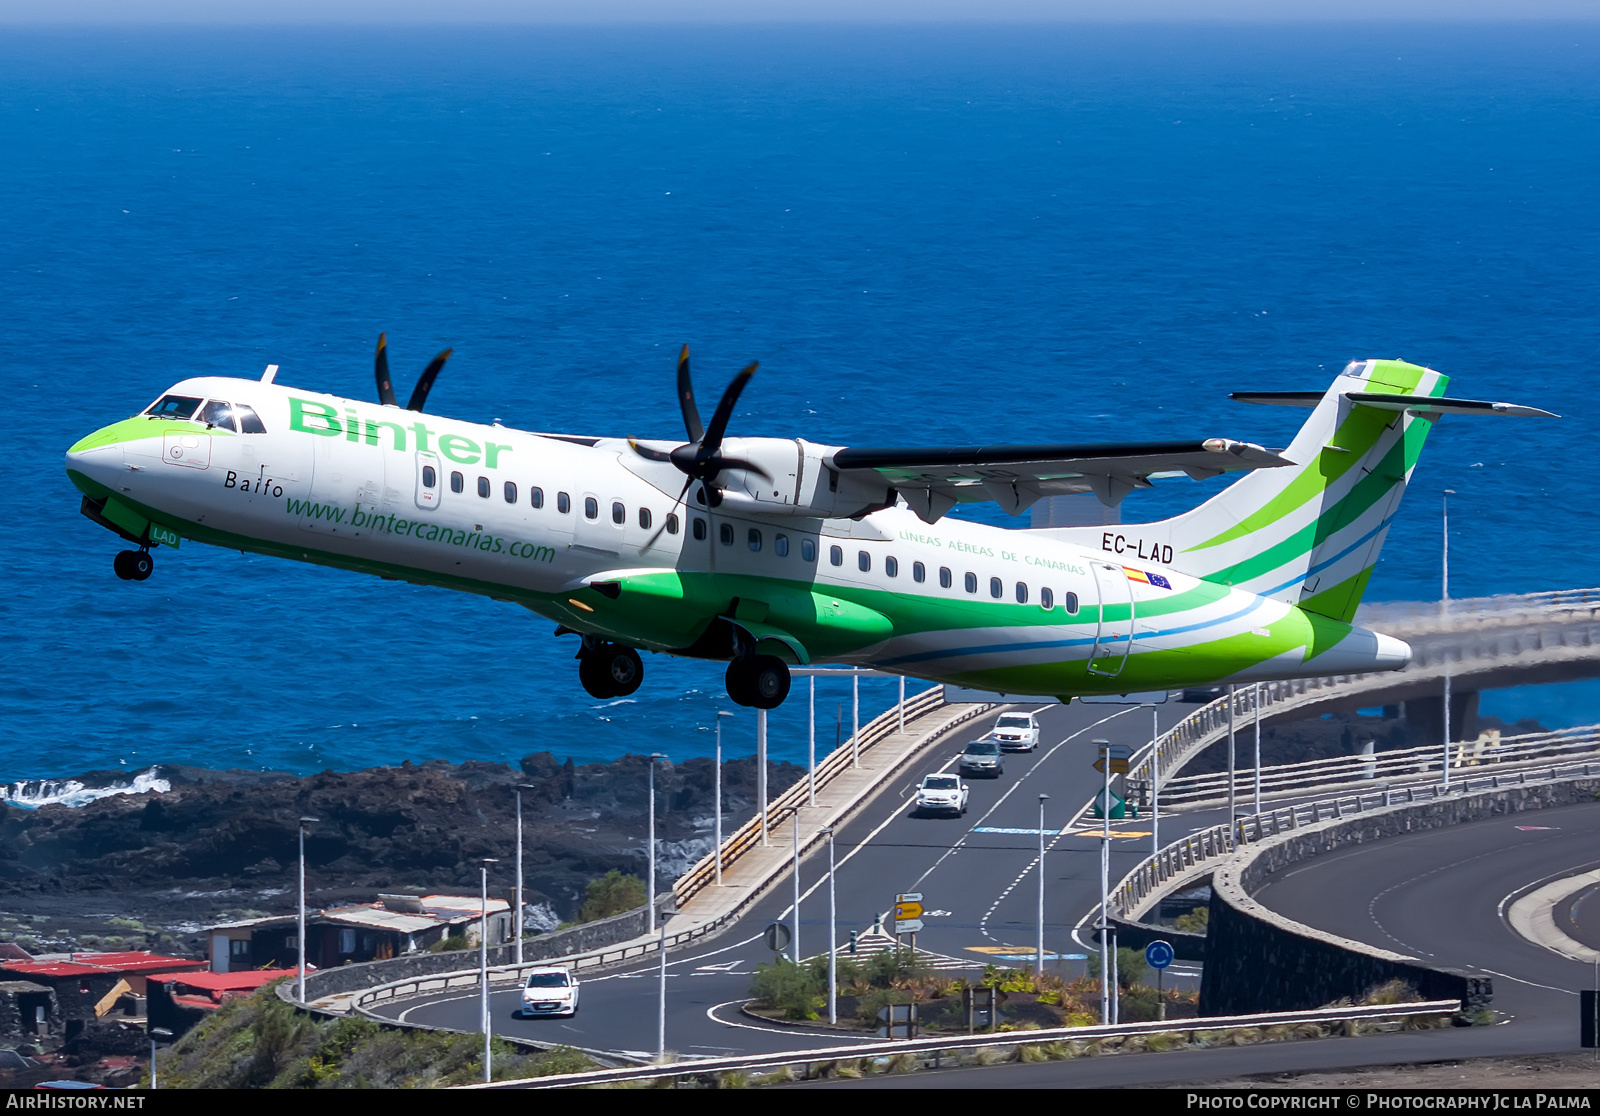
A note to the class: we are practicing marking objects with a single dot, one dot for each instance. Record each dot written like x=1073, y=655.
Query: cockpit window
x=218, y=413
x=249, y=421
x=173, y=407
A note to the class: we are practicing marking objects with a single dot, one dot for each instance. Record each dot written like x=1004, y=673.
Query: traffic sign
x=778, y=936
x=908, y=926
x=904, y=912
x=1119, y=754
x=1158, y=954
x=909, y=897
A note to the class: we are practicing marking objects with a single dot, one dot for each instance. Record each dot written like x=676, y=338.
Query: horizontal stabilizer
x=1387, y=402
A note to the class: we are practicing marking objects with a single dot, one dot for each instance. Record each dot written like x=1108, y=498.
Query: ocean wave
x=34, y=793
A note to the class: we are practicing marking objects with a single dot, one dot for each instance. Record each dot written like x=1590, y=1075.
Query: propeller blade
x=691, y=413
x=419, y=394
x=649, y=454
x=651, y=541
x=719, y=420
x=381, y=370
x=740, y=463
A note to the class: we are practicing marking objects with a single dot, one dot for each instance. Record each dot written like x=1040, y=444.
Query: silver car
x=982, y=757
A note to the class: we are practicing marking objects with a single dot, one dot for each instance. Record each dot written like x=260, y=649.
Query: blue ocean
x=933, y=235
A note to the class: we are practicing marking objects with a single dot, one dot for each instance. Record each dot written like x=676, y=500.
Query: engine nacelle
x=801, y=482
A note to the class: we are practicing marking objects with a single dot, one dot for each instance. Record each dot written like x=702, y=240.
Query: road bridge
x=972, y=870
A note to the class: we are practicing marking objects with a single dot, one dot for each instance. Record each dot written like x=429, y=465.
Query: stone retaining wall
x=1257, y=960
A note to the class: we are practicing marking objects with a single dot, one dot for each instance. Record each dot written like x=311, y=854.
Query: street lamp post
x=833, y=939
x=716, y=801
x=160, y=1033
x=1444, y=614
x=661, y=1002
x=650, y=837
x=761, y=771
x=1043, y=798
x=300, y=939
x=811, y=761
x=794, y=942
x=1231, y=765
x=1104, y=749
x=517, y=921
x=1255, y=700
x=483, y=966
x=855, y=716
x=1155, y=782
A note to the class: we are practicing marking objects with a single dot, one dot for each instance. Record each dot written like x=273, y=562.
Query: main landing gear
x=609, y=670
x=761, y=681
x=133, y=565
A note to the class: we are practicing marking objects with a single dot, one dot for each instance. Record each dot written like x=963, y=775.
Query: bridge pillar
x=1425, y=717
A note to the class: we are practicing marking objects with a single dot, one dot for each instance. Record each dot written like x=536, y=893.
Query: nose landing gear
x=133, y=565
x=761, y=681
x=610, y=670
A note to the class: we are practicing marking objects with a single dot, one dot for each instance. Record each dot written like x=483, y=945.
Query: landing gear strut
x=133, y=565
x=761, y=681
x=610, y=670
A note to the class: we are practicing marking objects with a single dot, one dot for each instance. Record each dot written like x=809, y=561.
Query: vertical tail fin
x=1310, y=535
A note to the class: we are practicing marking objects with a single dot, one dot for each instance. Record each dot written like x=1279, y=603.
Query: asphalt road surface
x=980, y=892
x=1440, y=896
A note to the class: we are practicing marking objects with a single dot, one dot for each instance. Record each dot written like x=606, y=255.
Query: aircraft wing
x=933, y=479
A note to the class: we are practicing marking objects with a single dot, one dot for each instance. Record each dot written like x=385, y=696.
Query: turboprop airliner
x=767, y=553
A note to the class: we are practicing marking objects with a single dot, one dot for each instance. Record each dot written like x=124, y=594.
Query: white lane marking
x=1065, y=831
x=711, y=1014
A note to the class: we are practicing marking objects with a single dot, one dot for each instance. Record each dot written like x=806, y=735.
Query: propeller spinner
x=419, y=394
x=701, y=457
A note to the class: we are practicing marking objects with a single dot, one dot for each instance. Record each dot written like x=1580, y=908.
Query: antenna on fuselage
x=271, y=372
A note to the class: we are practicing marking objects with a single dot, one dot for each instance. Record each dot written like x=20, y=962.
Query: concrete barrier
x=1259, y=960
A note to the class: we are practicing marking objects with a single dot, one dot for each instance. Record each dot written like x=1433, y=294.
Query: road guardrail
x=946, y=1044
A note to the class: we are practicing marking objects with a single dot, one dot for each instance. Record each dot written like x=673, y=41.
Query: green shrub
x=1195, y=922
x=1131, y=967
x=611, y=894
x=789, y=988
x=446, y=945
x=895, y=966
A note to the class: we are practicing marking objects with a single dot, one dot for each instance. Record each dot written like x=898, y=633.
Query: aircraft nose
x=96, y=459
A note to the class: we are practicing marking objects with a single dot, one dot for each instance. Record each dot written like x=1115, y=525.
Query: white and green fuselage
x=1261, y=582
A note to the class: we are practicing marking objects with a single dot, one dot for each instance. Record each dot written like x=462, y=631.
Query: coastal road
x=980, y=892
x=1441, y=896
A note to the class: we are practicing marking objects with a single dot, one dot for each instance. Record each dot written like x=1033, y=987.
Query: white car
x=941, y=794
x=1016, y=732
x=550, y=991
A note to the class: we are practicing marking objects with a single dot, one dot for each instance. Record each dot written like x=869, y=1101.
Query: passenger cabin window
x=1071, y=603
x=919, y=572
x=536, y=497
x=891, y=566
x=971, y=582
x=249, y=421
x=725, y=533
x=619, y=514
x=429, y=477
x=944, y=577
x=218, y=413
x=591, y=508
x=863, y=561
x=458, y=483
x=1047, y=599
x=483, y=487
x=1022, y=593
x=563, y=503
x=699, y=528
x=836, y=556
x=672, y=523
x=644, y=519
x=780, y=545
x=808, y=550
x=173, y=407
x=996, y=588
x=511, y=492
x=753, y=540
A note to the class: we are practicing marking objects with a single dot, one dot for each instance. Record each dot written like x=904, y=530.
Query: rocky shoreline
x=180, y=848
